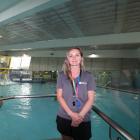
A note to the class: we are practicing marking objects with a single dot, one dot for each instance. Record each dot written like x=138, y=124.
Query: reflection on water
x=28, y=119
x=25, y=89
x=20, y=107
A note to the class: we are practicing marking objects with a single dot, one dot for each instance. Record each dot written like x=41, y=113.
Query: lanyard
x=75, y=85
x=75, y=88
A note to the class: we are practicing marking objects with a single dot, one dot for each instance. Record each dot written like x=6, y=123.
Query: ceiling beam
x=99, y=53
x=111, y=39
x=26, y=8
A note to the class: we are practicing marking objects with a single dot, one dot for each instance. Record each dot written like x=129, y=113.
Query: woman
x=75, y=94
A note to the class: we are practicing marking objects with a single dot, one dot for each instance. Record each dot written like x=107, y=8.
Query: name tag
x=82, y=83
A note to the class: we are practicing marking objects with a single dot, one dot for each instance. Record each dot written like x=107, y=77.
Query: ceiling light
x=1, y=36
x=93, y=56
x=21, y=49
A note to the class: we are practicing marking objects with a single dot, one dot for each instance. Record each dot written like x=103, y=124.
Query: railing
x=108, y=120
x=114, y=125
x=26, y=96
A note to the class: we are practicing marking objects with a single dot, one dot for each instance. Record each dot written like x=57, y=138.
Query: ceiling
x=110, y=28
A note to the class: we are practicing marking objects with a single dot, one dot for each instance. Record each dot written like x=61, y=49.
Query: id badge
x=75, y=104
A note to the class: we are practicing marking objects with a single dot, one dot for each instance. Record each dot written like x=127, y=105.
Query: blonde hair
x=66, y=66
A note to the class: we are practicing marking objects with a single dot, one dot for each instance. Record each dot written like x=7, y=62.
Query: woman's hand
x=76, y=119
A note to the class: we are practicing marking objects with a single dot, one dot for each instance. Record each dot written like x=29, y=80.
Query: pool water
x=34, y=119
x=122, y=107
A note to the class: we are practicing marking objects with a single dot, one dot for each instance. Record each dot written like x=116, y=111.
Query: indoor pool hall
x=70, y=70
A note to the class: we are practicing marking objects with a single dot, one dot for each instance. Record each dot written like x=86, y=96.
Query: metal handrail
x=26, y=96
x=113, y=124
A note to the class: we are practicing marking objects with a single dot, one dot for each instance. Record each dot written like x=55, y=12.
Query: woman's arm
x=88, y=104
x=62, y=102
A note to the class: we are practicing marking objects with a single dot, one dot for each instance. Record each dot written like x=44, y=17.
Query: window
x=20, y=62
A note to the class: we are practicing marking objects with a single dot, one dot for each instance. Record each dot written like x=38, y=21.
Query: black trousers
x=82, y=132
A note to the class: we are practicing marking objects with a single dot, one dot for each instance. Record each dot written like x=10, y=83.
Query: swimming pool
x=34, y=119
